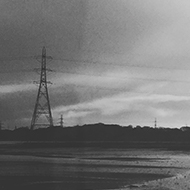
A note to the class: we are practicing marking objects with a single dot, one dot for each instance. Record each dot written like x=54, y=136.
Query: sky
x=114, y=61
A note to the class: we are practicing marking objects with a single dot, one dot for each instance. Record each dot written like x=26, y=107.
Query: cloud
x=124, y=102
x=140, y=32
x=117, y=79
x=162, y=112
x=13, y=88
x=76, y=114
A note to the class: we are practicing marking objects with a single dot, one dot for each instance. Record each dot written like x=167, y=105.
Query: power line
x=120, y=64
x=95, y=62
x=123, y=78
x=16, y=71
x=99, y=75
x=8, y=59
x=118, y=90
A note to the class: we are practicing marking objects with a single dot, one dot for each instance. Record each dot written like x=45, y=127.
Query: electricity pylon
x=42, y=105
x=61, y=121
x=155, y=123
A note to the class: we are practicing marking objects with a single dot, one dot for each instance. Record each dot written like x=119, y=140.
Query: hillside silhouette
x=98, y=133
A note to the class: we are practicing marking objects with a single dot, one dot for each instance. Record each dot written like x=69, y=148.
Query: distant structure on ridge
x=42, y=105
x=61, y=121
x=155, y=123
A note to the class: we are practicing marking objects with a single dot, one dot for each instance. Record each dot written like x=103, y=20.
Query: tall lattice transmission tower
x=42, y=105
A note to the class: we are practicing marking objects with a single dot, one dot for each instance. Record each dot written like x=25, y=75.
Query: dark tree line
x=98, y=132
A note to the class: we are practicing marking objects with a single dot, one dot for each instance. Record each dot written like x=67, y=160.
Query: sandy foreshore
x=180, y=172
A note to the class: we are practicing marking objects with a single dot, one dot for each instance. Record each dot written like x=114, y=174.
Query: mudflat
x=54, y=168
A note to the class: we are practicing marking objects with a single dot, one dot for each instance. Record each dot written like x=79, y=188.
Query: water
x=74, y=168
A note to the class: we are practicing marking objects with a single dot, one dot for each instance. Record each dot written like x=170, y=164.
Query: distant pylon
x=61, y=121
x=155, y=123
x=42, y=105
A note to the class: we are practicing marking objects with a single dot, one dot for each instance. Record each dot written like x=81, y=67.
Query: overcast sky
x=115, y=61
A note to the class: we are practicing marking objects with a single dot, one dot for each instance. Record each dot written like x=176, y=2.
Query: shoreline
x=180, y=181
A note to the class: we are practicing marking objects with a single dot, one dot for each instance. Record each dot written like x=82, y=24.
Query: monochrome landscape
x=95, y=94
